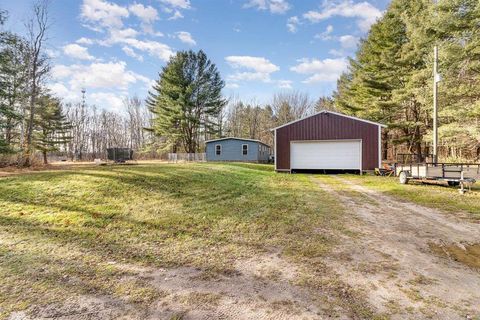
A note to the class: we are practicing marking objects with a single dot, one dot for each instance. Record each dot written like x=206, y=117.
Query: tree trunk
x=385, y=144
x=28, y=142
x=45, y=160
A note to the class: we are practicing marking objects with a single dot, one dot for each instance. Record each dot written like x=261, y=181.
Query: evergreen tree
x=388, y=80
x=457, y=26
x=186, y=101
x=52, y=127
x=13, y=75
x=325, y=103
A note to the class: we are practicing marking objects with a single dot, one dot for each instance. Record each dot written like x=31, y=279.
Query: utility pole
x=436, y=79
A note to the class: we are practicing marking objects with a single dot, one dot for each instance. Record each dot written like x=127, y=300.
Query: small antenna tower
x=83, y=97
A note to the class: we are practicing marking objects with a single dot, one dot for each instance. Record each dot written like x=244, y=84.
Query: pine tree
x=186, y=101
x=52, y=127
x=13, y=74
x=388, y=80
x=13, y=77
x=457, y=26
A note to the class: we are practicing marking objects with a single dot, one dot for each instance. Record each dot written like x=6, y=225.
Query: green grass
x=434, y=196
x=66, y=233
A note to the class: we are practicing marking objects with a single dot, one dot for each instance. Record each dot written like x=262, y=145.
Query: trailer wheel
x=453, y=183
x=403, y=178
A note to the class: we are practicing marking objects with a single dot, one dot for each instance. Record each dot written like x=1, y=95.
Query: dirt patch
x=468, y=254
x=260, y=288
x=393, y=262
x=79, y=308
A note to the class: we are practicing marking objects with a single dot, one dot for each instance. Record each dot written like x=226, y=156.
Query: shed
x=237, y=149
x=328, y=140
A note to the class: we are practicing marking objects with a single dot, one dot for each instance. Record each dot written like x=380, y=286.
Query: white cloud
x=292, y=24
x=365, y=12
x=337, y=53
x=232, y=85
x=97, y=75
x=258, y=68
x=131, y=53
x=120, y=35
x=52, y=53
x=107, y=100
x=258, y=64
x=285, y=84
x=154, y=48
x=85, y=41
x=78, y=52
x=176, y=15
x=147, y=14
x=103, y=14
x=182, y=4
x=186, y=37
x=348, y=41
x=128, y=37
x=326, y=70
x=175, y=6
x=274, y=6
x=61, y=91
x=279, y=6
x=325, y=35
x=249, y=76
x=60, y=71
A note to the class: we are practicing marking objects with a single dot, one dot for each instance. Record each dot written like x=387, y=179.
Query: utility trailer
x=454, y=174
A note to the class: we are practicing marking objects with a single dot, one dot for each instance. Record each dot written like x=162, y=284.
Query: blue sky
x=116, y=48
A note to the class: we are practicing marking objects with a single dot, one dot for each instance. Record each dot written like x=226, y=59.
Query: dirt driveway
x=413, y=262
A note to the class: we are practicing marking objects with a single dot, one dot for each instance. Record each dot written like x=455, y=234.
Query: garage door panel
x=344, y=155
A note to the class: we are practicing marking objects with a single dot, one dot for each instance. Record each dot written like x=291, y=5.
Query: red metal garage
x=328, y=141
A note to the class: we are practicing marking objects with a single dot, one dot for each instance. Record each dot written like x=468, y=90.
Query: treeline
x=254, y=121
x=93, y=130
x=34, y=124
x=30, y=118
x=390, y=80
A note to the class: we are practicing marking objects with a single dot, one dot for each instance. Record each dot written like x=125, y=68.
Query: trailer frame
x=454, y=174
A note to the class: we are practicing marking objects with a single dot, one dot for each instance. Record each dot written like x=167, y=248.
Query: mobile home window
x=244, y=149
x=218, y=149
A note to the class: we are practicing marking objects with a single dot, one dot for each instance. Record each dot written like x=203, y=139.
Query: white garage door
x=338, y=154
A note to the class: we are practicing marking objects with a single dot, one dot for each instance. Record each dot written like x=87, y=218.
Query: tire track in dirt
x=393, y=263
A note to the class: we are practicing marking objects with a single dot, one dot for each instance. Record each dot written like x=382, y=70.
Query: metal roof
x=332, y=112
x=235, y=138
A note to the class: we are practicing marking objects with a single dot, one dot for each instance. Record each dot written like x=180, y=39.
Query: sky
x=116, y=48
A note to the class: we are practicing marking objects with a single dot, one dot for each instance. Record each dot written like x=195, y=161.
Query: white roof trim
x=234, y=138
x=332, y=112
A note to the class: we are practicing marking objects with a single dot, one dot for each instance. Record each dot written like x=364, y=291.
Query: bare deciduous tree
x=39, y=67
x=291, y=106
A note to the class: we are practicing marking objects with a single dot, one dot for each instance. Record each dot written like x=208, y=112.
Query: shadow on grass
x=207, y=206
x=161, y=215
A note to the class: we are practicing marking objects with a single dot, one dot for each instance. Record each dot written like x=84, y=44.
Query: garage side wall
x=327, y=126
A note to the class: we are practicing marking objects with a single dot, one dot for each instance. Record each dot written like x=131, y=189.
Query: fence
x=186, y=157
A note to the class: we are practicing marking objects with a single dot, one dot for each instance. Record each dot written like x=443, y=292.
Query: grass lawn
x=66, y=233
x=434, y=196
